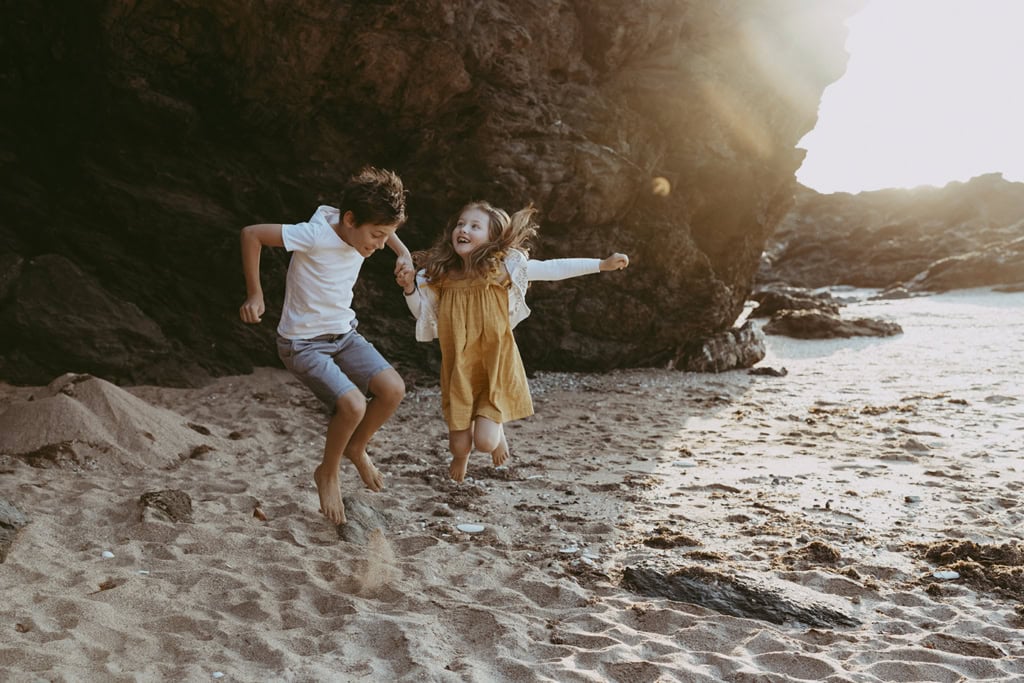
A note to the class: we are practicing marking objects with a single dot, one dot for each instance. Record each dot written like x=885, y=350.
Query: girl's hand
x=403, y=262
x=406, y=278
x=615, y=262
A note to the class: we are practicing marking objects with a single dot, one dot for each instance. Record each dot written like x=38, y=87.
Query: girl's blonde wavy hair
x=504, y=233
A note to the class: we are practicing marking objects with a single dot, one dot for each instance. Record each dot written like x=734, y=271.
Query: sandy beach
x=880, y=477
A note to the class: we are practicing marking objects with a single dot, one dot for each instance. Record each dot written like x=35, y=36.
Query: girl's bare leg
x=489, y=437
x=460, y=443
x=500, y=454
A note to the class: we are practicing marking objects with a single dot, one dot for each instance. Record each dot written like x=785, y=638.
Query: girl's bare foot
x=329, y=489
x=500, y=454
x=370, y=475
x=457, y=470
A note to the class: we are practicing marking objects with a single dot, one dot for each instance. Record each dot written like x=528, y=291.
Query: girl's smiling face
x=471, y=231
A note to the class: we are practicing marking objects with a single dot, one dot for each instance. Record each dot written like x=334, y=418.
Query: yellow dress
x=481, y=370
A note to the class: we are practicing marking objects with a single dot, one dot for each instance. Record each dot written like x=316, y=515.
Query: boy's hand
x=252, y=310
x=615, y=262
x=406, y=278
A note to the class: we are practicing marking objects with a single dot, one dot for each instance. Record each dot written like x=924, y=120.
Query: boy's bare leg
x=388, y=390
x=460, y=443
x=348, y=412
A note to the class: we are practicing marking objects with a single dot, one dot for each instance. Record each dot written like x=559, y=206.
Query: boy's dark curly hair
x=375, y=196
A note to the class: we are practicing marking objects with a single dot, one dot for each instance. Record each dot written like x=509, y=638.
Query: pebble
x=107, y=555
x=569, y=549
x=470, y=528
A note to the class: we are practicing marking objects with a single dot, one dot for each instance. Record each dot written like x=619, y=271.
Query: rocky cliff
x=139, y=137
x=926, y=239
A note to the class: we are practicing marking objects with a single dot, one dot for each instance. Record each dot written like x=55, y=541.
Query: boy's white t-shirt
x=321, y=275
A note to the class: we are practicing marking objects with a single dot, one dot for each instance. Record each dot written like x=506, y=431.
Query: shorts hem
x=369, y=379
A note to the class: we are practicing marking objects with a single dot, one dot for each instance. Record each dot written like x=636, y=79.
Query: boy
x=317, y=340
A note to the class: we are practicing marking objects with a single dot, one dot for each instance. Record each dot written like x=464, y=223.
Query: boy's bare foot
x=500, y=454
x=457, y=470
x=369, y=473
x=329, y=489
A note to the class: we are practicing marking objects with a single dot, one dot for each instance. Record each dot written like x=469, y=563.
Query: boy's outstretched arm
x=254, y=238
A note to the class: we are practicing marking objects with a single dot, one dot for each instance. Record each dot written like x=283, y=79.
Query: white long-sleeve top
x=521, y=270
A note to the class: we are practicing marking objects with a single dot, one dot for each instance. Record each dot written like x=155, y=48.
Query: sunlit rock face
x=138, y=138
x=926, y=239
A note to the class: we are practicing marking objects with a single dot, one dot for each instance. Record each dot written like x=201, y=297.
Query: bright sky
x=933, y=92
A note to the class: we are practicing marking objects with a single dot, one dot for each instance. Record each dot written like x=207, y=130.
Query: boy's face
x=366, y=238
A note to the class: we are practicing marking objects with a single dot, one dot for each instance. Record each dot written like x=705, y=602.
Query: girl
x=469, y=295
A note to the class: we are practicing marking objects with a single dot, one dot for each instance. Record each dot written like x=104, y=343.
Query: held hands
x=252, y=310
x=404, y=262
x=615, y=262
x=405, y=273
x=406, y=279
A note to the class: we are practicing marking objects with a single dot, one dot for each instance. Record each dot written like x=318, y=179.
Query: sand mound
x=77, y=411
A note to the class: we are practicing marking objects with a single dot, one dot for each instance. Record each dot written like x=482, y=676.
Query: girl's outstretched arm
x=565, y=268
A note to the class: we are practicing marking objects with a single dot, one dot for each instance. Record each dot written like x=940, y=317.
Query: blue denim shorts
x=332, y=364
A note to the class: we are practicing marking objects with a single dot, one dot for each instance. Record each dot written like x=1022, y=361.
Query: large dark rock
x=58, y=311
x=741, y=347
x=824, y=325
x=138, y=138
x=771, y=301
x=1000, y=263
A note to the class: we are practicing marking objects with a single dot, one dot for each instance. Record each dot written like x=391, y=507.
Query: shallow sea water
x=897, y=436
x=967, y=345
